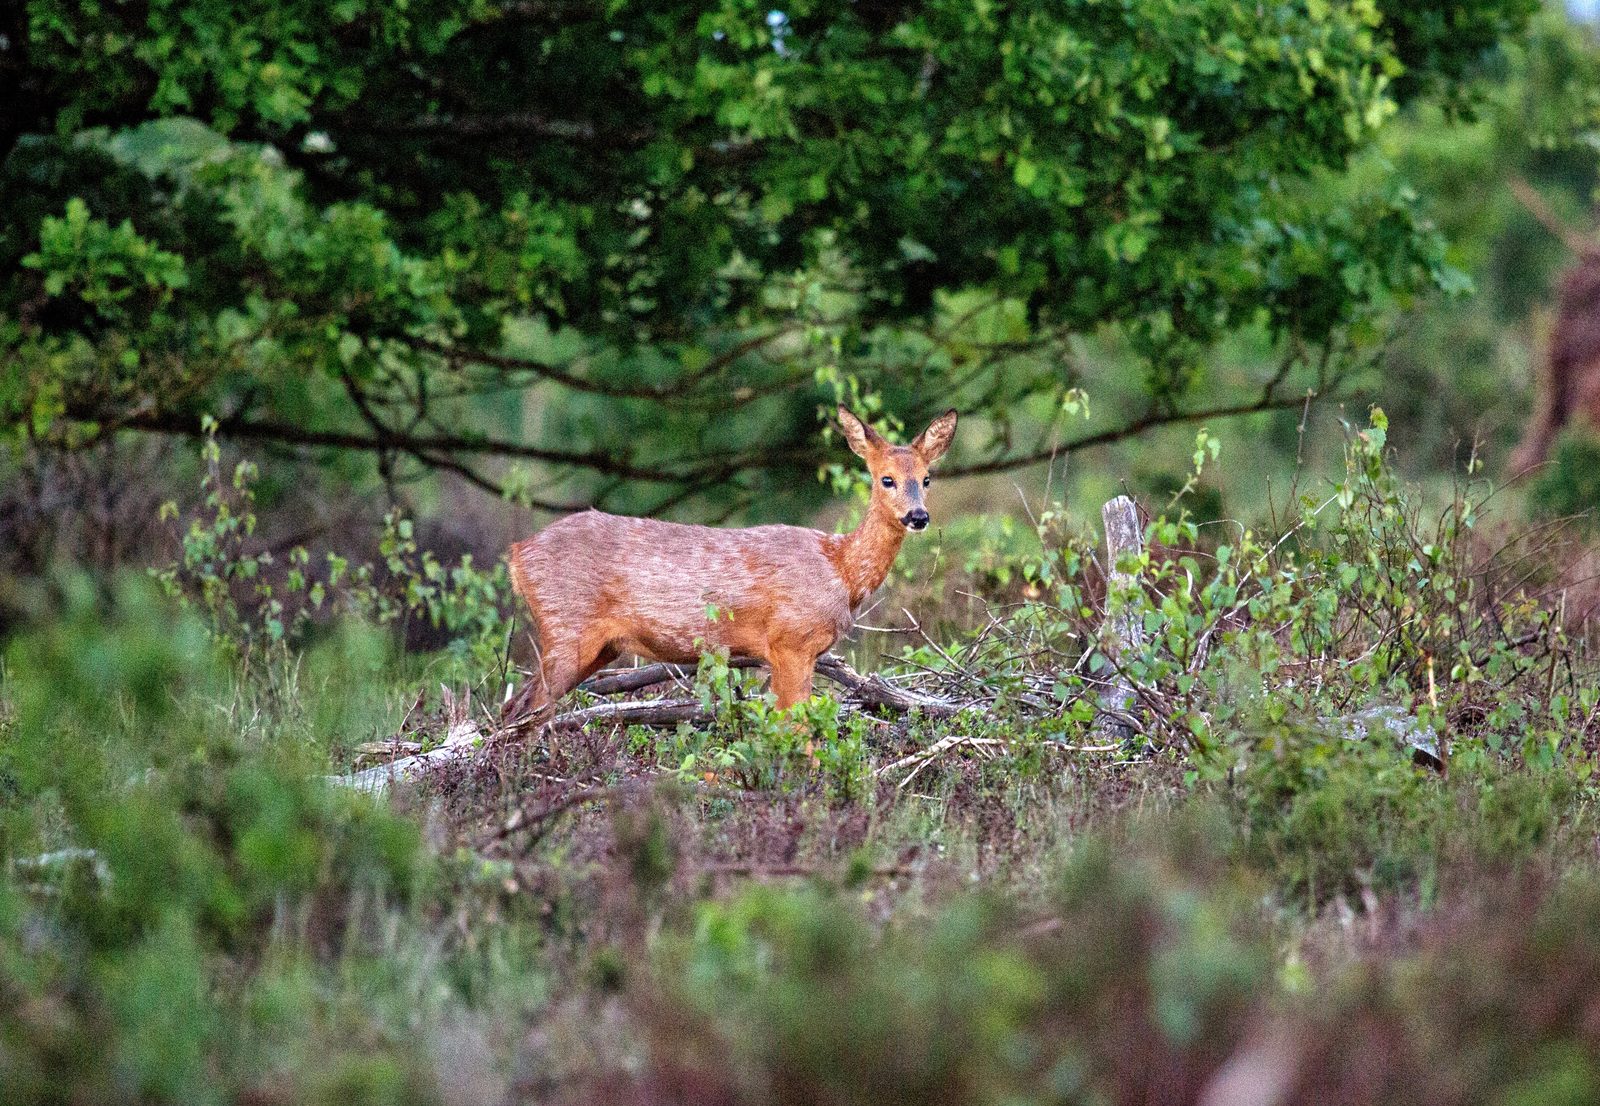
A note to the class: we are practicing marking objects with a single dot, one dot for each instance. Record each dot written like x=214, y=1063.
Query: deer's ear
x=861, y=437
x=932, y=442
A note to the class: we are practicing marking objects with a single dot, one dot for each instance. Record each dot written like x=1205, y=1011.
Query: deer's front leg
x=792, y=673
x=791, y=676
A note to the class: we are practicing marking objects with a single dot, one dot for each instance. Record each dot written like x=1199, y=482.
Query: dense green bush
x=1569, y=485
x=256, y=607
x=1132, y=989
x=623, y=254
x=1145, y=981
x=1323, y=815
x=155, y=854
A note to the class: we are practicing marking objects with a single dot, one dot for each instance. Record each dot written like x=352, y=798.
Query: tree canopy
x=680, y=230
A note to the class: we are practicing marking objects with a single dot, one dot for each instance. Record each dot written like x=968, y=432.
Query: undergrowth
x=1261, y=874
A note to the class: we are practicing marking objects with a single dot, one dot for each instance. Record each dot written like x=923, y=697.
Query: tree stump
x=1122, y=632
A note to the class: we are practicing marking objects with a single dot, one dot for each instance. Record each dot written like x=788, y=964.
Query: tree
x=1514, y=193
x=684, y=229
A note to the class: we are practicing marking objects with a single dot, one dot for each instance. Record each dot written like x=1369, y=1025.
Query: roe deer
x=600, y=585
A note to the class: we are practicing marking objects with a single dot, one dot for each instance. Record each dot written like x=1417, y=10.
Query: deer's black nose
x=916, y=519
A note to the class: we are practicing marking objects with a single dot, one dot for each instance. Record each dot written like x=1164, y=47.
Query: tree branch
x=519, y=124
x=681, y=387
x=867, y=690
x=268, y=430
x=1581, y=244
x=1138, y=426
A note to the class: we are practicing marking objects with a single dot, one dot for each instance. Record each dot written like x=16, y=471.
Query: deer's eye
x=888, y=481
x=925, y=480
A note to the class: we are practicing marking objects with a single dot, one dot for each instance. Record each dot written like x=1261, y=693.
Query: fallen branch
x=461, y=736
x=920, y=759
x=524, y=819
x=875, y=691
x=757, y=868
x=644, y=712
x=649, y=675
x=924, y=755
x=866, y=691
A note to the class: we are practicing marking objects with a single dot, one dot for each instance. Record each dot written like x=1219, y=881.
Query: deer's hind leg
x=564, y=663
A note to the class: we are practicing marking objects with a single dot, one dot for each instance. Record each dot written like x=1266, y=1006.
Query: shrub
x=154, y=855
x=1570, y=484
x=1496, y=1004
x=255, y=608
x=755, y=746
x=1132, y=989
x=1322, y=815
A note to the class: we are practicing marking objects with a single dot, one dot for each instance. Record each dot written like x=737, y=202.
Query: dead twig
x=756, y=868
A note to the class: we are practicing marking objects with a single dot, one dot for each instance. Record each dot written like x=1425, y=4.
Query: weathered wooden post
x=1122, y=633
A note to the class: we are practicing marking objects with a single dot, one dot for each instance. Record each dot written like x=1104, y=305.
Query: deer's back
x=646, y=585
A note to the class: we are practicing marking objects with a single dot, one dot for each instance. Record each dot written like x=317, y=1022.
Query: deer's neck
x=864, y=556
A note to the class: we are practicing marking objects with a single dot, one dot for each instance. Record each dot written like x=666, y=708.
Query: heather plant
x=1132, y=986
x=1326, y=817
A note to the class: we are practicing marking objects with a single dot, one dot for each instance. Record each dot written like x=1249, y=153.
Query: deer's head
x=899, y=472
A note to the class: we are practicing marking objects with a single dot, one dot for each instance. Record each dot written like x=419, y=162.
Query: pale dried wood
x=389, y=749
x=920, y=759
x=461, y=736
x=863, y=690
x=1122, y=632
x=875, y=691
x=643, y=712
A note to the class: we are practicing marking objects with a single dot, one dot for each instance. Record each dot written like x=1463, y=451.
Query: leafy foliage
x=186, y=848
x=353, y=226
x=754, y=745
x=1113, y=1005
x=1362, y=600
x=255, y=610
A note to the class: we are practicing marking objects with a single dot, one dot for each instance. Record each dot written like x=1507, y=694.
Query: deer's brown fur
x=600, y=585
